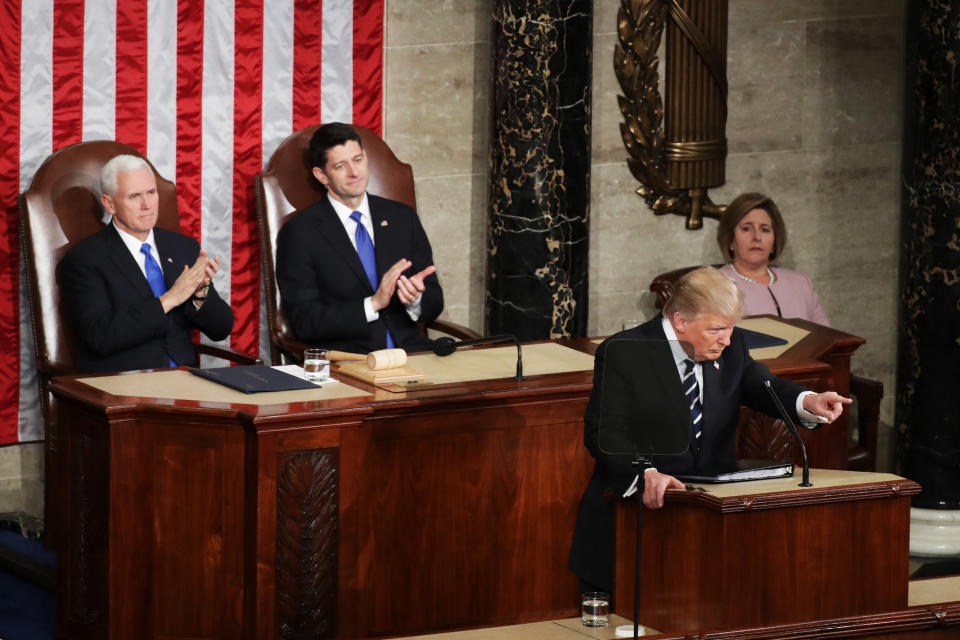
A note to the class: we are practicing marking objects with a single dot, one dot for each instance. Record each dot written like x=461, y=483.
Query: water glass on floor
x=595, y=609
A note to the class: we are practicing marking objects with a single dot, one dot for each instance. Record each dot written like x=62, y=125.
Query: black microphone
x=793, y=430
x=446, y=345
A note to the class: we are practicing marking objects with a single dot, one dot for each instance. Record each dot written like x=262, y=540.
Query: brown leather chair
x=61, y=207
x=287, y=186
x=862, y=455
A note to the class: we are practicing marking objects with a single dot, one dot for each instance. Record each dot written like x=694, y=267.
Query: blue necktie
x=692, y=390
x=154, y=277
x=369, y=259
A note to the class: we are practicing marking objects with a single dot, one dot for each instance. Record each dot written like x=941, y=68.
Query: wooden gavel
x=376, y=360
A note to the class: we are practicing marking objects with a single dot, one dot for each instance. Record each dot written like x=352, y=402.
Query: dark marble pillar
x=539, y=168
x=928, y=385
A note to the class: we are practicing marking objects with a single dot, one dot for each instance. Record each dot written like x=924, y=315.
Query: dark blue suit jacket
x=323, y=284
x=118, y=322
x=736, y=380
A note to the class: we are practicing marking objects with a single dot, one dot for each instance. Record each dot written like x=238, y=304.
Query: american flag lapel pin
x=170, y=260
x=384, y=223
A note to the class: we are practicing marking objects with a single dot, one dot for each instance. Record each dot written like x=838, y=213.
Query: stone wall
x=815, y=92
x=815, y=102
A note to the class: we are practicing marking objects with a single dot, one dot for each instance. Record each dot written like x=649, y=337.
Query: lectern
x=767, y=552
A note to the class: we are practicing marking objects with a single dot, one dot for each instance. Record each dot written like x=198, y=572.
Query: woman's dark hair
x=741, y=206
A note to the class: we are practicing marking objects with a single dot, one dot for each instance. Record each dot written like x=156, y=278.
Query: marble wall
x=815, y=102
x=437, y=118
x=815, y=92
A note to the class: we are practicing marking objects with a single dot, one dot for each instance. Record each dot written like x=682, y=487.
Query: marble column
x=539, y=168
x=928, y=397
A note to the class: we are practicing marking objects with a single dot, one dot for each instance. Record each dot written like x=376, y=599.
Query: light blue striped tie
x=692, y=390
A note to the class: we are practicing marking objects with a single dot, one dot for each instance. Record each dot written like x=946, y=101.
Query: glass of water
x=316, y=367
x=595, y=609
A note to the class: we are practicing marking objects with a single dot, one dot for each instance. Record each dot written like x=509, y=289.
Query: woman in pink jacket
x=751, y=235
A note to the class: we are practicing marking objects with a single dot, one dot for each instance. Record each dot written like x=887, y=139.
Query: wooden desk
x=392, y=513
x=350, y=516
x=768, y=552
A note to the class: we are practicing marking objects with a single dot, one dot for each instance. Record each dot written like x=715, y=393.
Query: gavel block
x=376, y=360
x=382, y=366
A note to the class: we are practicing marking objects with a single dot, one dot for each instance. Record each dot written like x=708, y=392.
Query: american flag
x=206, y=89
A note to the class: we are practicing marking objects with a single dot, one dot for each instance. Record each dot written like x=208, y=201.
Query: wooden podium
x=763, y=553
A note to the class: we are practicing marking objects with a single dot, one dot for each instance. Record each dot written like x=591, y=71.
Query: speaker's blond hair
x=705, y=290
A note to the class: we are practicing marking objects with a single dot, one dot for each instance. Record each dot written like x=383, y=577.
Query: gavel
x=376, y=360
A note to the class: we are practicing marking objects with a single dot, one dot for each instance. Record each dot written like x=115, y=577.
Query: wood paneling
x=449, y=506
x=767, y=559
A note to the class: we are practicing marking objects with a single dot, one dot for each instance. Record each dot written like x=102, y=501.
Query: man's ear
x=107, y=202
x=320, y=175
x=679, y=322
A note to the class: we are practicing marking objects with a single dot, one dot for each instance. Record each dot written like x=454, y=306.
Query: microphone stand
x=644, y=463
x=793, y=429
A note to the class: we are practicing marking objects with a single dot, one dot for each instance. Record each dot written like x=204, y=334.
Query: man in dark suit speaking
x=134, y=292
x=355, y=271
x=707, y=367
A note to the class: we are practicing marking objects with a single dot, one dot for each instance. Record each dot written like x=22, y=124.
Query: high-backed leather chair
x=862, y=455
x=61, y=207
x=287, y=186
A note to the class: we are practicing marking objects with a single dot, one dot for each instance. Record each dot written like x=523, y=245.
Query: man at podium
x=707, y=366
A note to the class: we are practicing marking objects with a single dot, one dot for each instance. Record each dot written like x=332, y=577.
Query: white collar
x=343, y=211
x=679, y=355
x=133, y=243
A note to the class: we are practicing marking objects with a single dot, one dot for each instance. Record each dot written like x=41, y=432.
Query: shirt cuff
x=368, y=309
x=632, y=489
x=413, y=309
x=805, y=416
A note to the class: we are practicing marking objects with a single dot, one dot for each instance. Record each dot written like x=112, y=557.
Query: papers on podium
x=254, y=378
x=741, y=471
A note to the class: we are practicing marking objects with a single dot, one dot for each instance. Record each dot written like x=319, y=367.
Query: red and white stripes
x=206, y=89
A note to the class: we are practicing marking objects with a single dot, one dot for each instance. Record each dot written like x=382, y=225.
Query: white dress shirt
x=350, y=226
x=133, y=245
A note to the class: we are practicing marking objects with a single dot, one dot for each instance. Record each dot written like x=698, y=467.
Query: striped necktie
x=692, y=390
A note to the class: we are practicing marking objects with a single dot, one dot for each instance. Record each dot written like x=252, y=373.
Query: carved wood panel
x=306, y=563
x=87, y=541
x=762, y=438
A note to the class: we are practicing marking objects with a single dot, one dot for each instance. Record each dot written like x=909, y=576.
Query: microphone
x=446, y=345
x=793, y=430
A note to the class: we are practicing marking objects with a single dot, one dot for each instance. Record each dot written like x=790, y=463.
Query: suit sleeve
x=314, y=313
x=106, y=327
x=616, y=469
x=815, y=311
x=421, y=255
x=214, y=317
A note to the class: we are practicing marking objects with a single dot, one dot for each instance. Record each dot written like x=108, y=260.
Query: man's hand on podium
x=655, y=484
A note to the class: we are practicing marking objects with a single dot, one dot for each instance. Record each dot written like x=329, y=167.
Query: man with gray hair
x=709, y=364
x=134, y=291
